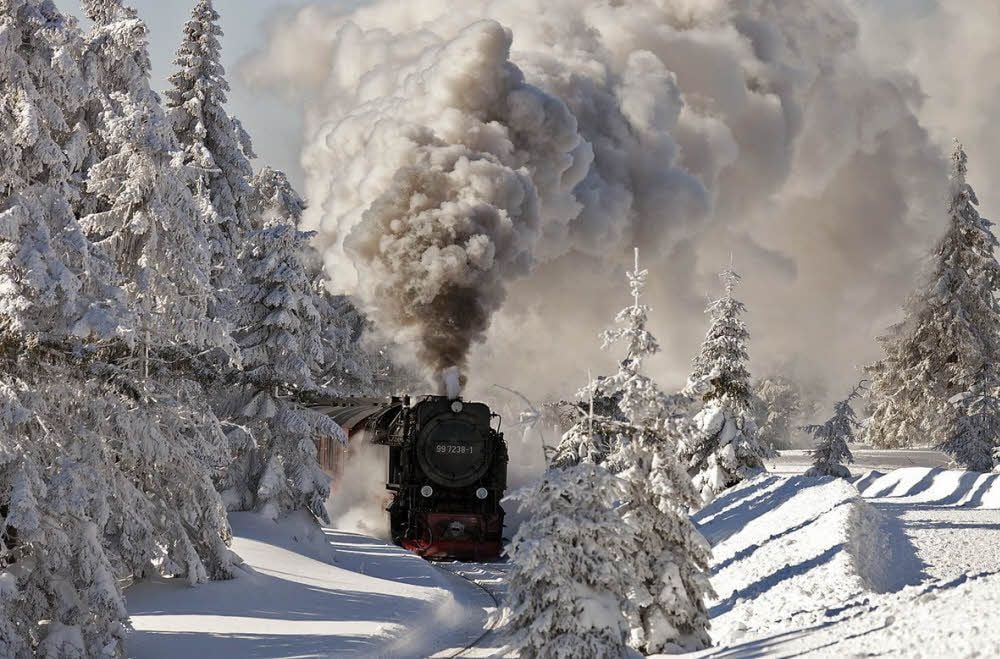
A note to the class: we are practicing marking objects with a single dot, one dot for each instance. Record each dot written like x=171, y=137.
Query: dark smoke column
x=462, y=213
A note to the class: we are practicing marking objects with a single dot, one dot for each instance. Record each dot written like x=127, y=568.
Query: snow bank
x=785, y=549
x=307, y=591
x=933, y=486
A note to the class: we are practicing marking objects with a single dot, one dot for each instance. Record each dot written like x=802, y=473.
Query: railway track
x=491, y=579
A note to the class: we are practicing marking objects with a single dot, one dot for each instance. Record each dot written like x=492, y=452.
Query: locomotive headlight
x=456, y=407
x=426, y=491
x=482, y=493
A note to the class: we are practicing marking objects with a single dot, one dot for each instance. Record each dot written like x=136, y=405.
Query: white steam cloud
x=481, y=180
x=359, y=498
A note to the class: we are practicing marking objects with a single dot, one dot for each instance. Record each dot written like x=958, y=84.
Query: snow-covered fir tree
x=279, y=334
x=348, y=367
x=726, y=448
x=141, y=210
x=214, y=143
x=951, y=331
x=635, y=397
x=777, y=407
x=582, y=442
x=143, y=214
x=667, y=611
x=571, y=565
x=831, y=451
x=45, y=290
x=974, y=434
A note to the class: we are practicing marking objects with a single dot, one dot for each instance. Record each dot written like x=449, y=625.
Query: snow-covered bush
x=831, y=451
x=950, y=334
x=570, y=568
x=726, y=448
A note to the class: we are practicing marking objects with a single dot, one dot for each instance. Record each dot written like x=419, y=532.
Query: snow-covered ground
x=310, y=593
x=905, y=561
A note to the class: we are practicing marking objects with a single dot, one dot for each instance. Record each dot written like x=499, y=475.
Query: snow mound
x=785, y=548
x=934, y=486
x=944, y=619
x=307, y=592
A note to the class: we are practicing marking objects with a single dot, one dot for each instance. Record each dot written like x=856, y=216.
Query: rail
x=460, y=570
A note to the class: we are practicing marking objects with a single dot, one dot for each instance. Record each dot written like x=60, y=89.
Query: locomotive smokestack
x=451, y=379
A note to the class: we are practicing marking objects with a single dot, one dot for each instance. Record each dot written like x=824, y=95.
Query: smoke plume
x=480, y=187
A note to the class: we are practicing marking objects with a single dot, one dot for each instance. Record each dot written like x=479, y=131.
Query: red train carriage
x=447, y=470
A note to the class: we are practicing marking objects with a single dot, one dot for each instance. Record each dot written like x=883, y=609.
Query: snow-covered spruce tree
x=278, y=331
x=58, y=596
x=141, y=208
x=777, y=408
x=831, y=451
x=583, y=442
x=352, y=364
x=974, y=433
x=214, y=143
x=667, y=599
x=726, y=449
x=571, y=564
x=951, y=331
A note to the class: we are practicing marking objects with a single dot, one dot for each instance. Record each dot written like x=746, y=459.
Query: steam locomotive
x=447, y=471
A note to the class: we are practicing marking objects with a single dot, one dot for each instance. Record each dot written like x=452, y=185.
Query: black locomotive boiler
x=447, y=471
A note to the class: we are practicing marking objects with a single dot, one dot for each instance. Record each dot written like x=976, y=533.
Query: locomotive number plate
x=453, y=449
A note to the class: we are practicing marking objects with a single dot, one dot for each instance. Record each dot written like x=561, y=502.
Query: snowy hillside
x=803, y=564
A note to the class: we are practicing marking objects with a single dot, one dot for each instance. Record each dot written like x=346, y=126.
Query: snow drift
x=788, y=549
x=306, y=591
x=923, y=485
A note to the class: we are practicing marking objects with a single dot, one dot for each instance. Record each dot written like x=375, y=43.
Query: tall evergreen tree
x=831, y=451
x=777, y=406
x=726, y=449
x=104, y=472
x=53, y=283
x=667, y=610
x=143, y=214
x=279, y=334
x=951, y=332
x=214, y=143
